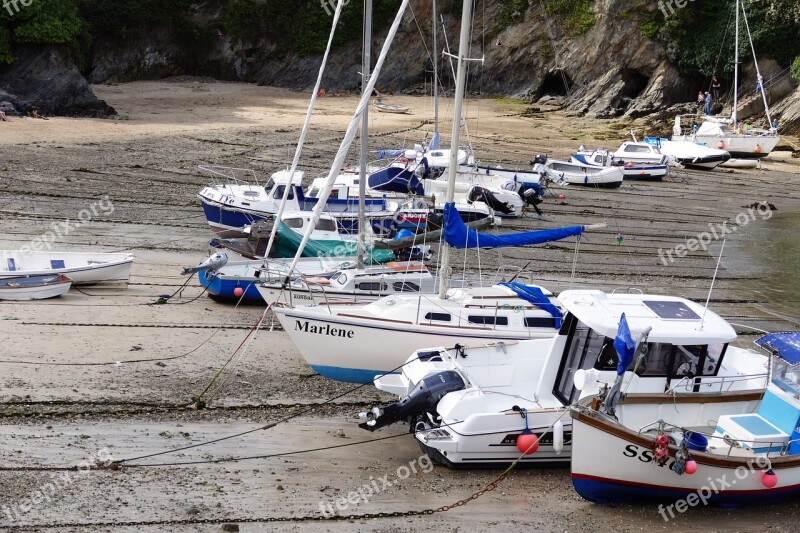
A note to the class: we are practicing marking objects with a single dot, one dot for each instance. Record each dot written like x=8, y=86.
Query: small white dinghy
x=390, y=108
x=741, y=163
x=607, y=177
x=85, y=268
x=34, y=287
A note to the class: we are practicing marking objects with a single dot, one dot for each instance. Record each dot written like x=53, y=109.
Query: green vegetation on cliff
x=42, y=22
x=699, y=38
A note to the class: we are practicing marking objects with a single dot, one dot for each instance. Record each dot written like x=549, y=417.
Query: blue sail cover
x=383, y=154
x=535, y=296
x=395, y=179
x=787, y=344
x=624, y=345
x=458, y=235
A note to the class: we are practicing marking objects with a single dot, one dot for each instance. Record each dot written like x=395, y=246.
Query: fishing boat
x=728, y=133
x=383, y=107
x=589, y=175
x=34, y=287
x=690, y=154
x=483, y=405
x=84, y=268
x=716, y=445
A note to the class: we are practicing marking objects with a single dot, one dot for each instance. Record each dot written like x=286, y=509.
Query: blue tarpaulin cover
x=624, y=344
x=383, y=154
x=787, y=344
x=535, y=296
x=458, y=235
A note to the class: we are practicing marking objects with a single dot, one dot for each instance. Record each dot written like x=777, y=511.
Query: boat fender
x=558, y=437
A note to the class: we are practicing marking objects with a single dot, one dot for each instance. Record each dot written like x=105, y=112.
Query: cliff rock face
x=48, y=79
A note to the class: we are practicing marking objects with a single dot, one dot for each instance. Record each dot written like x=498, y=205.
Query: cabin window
x=668, y=360
x=295, y=223
x=488, y=320
x=326, y=224
x=371, y=286
x=632, y=148
x=279, y=192
x=269, y=186
x=57, y=263
x=440, y=317
x=582, y=351
x=313, y=192
x=539, y=322
x=405, y=286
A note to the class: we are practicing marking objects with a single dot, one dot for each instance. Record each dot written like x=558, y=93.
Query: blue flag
x=434, y=142
x=625, y=345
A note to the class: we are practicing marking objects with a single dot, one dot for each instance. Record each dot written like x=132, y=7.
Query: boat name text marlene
x=300, y=325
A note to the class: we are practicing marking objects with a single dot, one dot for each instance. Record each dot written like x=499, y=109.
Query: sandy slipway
x=58, y=416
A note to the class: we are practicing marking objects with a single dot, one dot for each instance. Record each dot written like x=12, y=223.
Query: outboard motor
x=212, y=264
x=533, y=195
x=486, y=196
x=425, y=396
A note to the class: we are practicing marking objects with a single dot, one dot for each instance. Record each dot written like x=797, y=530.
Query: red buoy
x=527, y=442
x=721, y=145
x=691, y=467
x=758, y=149
x=238, y=291
x=561, y=196
x=768, y=478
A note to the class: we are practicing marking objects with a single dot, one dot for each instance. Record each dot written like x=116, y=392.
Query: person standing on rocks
x=715, y=87
x=708, y=99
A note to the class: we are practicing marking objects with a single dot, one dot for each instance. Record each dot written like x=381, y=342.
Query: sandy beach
x=104, y=372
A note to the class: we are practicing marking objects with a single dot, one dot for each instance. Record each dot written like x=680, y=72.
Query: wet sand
x=146, y=163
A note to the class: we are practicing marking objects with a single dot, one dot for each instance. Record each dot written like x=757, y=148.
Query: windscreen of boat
x=670, y=360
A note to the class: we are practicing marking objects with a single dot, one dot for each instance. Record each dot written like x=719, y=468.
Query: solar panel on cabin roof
x=671, y=310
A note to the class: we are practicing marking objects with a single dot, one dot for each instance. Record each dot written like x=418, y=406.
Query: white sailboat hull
x=47, y=288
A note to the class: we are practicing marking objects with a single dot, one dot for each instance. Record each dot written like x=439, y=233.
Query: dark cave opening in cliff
x=635, y=82
x=555, y=83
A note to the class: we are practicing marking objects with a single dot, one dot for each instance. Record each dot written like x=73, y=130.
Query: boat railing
x=718, y=441
x=631, y=290
x=706, y=384
x=232, y=175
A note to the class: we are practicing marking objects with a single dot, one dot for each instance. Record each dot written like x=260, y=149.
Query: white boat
x=480, y=399
x=391, y=108
x=730, y=134
x=741, y=163
x=357, y=342
x=592, y=176
x=689, y=154
x=717, y=445
x=34, y=287
x=84, y=268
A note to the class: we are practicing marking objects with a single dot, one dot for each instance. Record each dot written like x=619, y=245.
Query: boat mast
x=362, y=174
x=735, y=116
x=461, y=82
x=435, y=76
x=760, y=79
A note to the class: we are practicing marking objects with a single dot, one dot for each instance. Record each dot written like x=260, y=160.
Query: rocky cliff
x=606, y=68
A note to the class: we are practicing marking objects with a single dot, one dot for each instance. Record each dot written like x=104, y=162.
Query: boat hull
x=83, y=269
x=34, y=287
x=344, y=348
x=612, y=467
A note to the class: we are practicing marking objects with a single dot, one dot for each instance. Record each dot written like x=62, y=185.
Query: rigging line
x=219, y=372
x=130, y=361
x=213, y=395
x=724, y=38
x=268, y=456
x=266, y=426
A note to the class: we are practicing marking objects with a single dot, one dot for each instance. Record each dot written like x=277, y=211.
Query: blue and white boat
x=638, y=160
x=231, y=206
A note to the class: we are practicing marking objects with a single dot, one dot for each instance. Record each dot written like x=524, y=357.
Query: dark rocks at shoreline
x=48, y=79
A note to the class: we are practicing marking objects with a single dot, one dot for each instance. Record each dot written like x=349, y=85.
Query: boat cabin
x=685, y=347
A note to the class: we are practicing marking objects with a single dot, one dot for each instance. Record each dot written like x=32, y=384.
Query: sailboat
x=729, y=134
